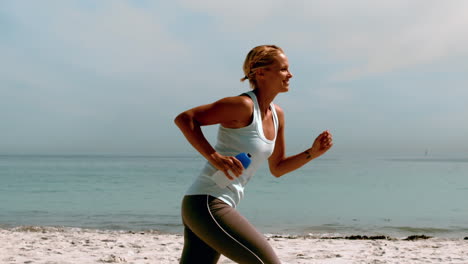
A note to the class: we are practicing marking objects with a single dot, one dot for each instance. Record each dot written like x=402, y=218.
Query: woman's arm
x=231, y=112
x=280, y=164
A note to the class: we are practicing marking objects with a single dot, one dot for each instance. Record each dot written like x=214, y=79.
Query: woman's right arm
x=230, y=112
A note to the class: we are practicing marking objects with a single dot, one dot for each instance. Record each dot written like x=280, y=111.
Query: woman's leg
x=224, y=230
x=196, y=251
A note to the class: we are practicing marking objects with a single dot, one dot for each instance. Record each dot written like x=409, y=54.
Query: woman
x=249, y=123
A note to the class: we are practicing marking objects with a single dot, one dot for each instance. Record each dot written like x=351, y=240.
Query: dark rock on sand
x=417, y=237
x=366, y=237
x=359, y=237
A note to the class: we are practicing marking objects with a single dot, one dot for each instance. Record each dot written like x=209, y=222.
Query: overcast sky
x=102, y=77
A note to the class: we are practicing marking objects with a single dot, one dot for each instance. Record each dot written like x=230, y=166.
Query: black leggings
x=212, y=227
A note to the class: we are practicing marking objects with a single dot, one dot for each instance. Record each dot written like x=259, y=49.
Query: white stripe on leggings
x=208, y=208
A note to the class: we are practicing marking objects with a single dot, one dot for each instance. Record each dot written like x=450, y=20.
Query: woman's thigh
x=224, y=230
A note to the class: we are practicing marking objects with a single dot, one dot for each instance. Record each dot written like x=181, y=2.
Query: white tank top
x=232, y=141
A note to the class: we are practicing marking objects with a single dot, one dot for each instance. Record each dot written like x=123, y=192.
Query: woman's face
x=277, y=75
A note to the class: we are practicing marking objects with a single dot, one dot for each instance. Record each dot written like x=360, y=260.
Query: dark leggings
x=212, y=227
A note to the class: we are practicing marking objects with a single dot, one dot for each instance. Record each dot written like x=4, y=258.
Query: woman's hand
x=321, y=144
x=227, y=163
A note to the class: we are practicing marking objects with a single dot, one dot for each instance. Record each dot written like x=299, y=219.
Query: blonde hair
x=259, y=57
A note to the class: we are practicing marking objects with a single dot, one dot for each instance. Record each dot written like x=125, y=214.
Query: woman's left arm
x=280, y=164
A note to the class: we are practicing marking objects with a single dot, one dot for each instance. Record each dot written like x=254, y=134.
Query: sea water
x=365, y=196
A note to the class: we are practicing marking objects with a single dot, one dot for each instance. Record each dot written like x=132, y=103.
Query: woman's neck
x=264, y=99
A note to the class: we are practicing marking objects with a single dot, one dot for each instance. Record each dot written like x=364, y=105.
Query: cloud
x=434, y=33
x=75, y=75
x=368, y=37
x=118, y=39
x=236, y=16
x=82, y=70
x=72, y=56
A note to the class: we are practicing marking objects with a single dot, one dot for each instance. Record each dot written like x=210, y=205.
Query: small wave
x=41, y=229
x=64, y=229
x=447, y=160
x=414, y=230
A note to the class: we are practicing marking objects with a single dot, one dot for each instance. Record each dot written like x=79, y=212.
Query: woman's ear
x=259, y=73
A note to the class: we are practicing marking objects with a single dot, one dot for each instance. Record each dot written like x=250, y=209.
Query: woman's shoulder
x=241, y=102
x=279, y=114
x=279, y=110
x=237, y=111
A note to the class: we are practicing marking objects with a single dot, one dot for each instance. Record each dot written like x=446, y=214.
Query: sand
x=69, y=245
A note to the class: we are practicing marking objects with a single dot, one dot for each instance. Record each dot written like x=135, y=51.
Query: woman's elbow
x=275, y=165
x=276, y=172
x=181, y=119
x=277, y=175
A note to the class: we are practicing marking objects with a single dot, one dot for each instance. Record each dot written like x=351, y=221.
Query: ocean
x=394, y=196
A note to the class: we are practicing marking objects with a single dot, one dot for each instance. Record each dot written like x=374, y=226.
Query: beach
x=75, y=245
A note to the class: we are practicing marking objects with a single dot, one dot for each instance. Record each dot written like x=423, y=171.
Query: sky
x=108, y=77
